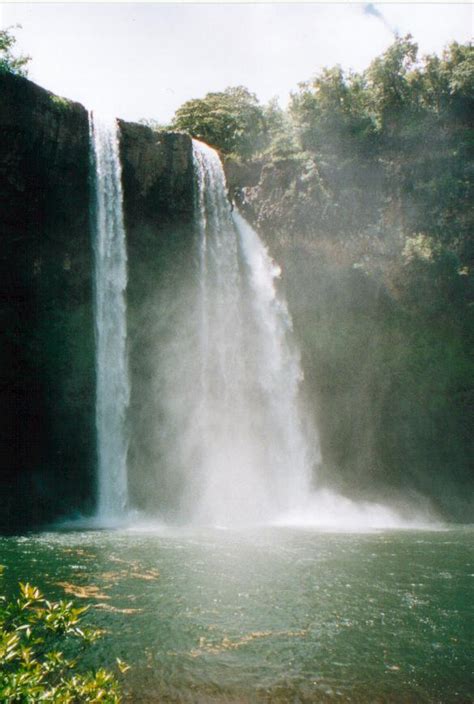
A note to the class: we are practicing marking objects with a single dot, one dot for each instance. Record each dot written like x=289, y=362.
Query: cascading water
x=221, y=438
x=112, y=383
x=251, y=454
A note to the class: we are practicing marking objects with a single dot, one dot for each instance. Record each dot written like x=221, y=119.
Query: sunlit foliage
x=34, y=633
x=232, y=121
x=8, y=61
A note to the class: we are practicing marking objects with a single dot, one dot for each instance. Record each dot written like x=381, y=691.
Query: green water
x=277, y=615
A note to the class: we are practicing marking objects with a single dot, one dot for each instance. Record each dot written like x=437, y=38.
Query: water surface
x=269, y=615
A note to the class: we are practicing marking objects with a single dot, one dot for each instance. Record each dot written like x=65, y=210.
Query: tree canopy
x=9, y=63
x=233, y=121
x=394, y=97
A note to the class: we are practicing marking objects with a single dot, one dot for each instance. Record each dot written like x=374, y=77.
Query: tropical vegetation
x=41, y=642
x=8, y=61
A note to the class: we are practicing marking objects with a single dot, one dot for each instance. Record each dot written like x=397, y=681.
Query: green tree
x=447, y=82
x=232, y=121
x=9, y=63
x=33, y=669
x=391, y=88
x=330, y=111
x=281, y=135
x=154, y=125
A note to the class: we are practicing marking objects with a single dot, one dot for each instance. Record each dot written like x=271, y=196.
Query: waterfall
x=250, y=452
x=112, y=382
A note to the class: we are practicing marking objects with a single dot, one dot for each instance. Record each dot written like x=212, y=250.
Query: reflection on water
x=275, y=615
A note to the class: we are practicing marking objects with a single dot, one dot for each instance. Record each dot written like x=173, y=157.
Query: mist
x=224, y=428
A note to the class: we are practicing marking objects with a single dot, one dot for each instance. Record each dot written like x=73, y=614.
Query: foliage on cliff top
x=371, y=158
x=9, y=63
x=370, y=152
x=389, y=101
x=32, y=668
x=232, y=120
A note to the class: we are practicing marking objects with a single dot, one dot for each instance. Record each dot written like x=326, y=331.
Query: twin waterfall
x=112, y=380
x=241, y=441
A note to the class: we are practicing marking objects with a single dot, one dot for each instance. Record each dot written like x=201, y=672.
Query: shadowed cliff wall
x=47, y=358
x=158, y=181
x=47, y=355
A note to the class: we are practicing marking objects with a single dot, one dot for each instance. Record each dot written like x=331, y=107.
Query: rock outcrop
x=47, y=349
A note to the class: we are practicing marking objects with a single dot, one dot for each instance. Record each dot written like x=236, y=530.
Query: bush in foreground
x=32, y=666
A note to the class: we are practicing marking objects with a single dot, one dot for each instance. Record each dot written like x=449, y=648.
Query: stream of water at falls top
x=112, y=380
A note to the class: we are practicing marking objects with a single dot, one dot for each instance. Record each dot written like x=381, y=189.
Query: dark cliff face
x=47, y=359
x=157, y=175
x=158, y=182
x=47, y=352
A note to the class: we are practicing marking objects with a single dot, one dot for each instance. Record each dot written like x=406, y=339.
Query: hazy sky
x=144, y=60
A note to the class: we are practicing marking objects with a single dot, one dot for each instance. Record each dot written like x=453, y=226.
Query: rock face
x=47, y=398
x=158, y=182
x=157, y=176
x=47, y=352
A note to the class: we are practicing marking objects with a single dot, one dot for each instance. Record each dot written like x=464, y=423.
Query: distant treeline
x=403, y=111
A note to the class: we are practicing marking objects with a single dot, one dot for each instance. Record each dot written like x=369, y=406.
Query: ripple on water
x=278, y=615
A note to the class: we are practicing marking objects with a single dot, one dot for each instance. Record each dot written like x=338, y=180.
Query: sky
x=144, y=60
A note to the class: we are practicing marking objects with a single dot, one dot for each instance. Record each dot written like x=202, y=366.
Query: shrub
x=33, y=668
x=9, y=63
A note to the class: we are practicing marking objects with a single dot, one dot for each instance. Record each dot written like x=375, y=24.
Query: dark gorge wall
x=47, y=352
x=158, y=180
x=47, y=362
